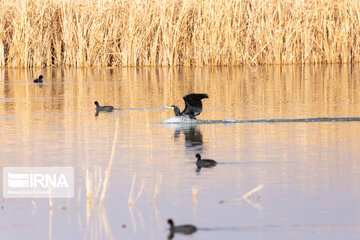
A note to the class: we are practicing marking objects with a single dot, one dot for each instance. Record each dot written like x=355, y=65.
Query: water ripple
x=187, y=120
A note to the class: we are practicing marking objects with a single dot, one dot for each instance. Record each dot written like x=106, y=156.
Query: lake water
x=310, y=171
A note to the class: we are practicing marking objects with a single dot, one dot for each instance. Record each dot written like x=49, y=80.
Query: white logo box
x=38, y=182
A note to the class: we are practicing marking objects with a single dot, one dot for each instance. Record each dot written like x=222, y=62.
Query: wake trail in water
x=187, y=120
x=141, y=109
x=281, y=227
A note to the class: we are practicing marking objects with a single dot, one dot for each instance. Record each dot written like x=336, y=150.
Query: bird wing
x=194, y=99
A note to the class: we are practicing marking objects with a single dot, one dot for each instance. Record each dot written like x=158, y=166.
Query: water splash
x=183, y=120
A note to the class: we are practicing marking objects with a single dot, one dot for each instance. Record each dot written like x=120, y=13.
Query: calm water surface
x=310, y=171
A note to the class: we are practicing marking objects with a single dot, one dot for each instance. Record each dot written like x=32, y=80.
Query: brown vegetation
x=36, y=33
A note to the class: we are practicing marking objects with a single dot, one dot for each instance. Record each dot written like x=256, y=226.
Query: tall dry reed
x=35, y=33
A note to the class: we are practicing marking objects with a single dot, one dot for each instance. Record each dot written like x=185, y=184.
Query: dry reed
x=94, y=182
x=37, y=33
x=131, y=199
x=246, y=197
x=108, y=170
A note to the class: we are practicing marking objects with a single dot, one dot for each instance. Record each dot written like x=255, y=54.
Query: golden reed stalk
x=82, y=33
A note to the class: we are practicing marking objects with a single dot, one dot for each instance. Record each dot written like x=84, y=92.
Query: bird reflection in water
x=193, y=136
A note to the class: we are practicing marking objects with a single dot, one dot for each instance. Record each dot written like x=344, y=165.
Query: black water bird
x=103, y=108
x=39, y=80
x=204, y=162
x=184, y=229
x=193, y=105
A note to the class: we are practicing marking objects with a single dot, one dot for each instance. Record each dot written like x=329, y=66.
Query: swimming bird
x=204, y=162
x=184, y=229
x=193, y=105
x=103, y=108
x=39, y=80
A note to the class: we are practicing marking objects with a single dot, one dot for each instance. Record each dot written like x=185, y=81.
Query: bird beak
x=169, y=107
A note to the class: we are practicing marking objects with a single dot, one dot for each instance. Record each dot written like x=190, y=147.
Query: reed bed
x=109, y=33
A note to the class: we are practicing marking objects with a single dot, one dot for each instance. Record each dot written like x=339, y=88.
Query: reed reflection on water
x=309, y=170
